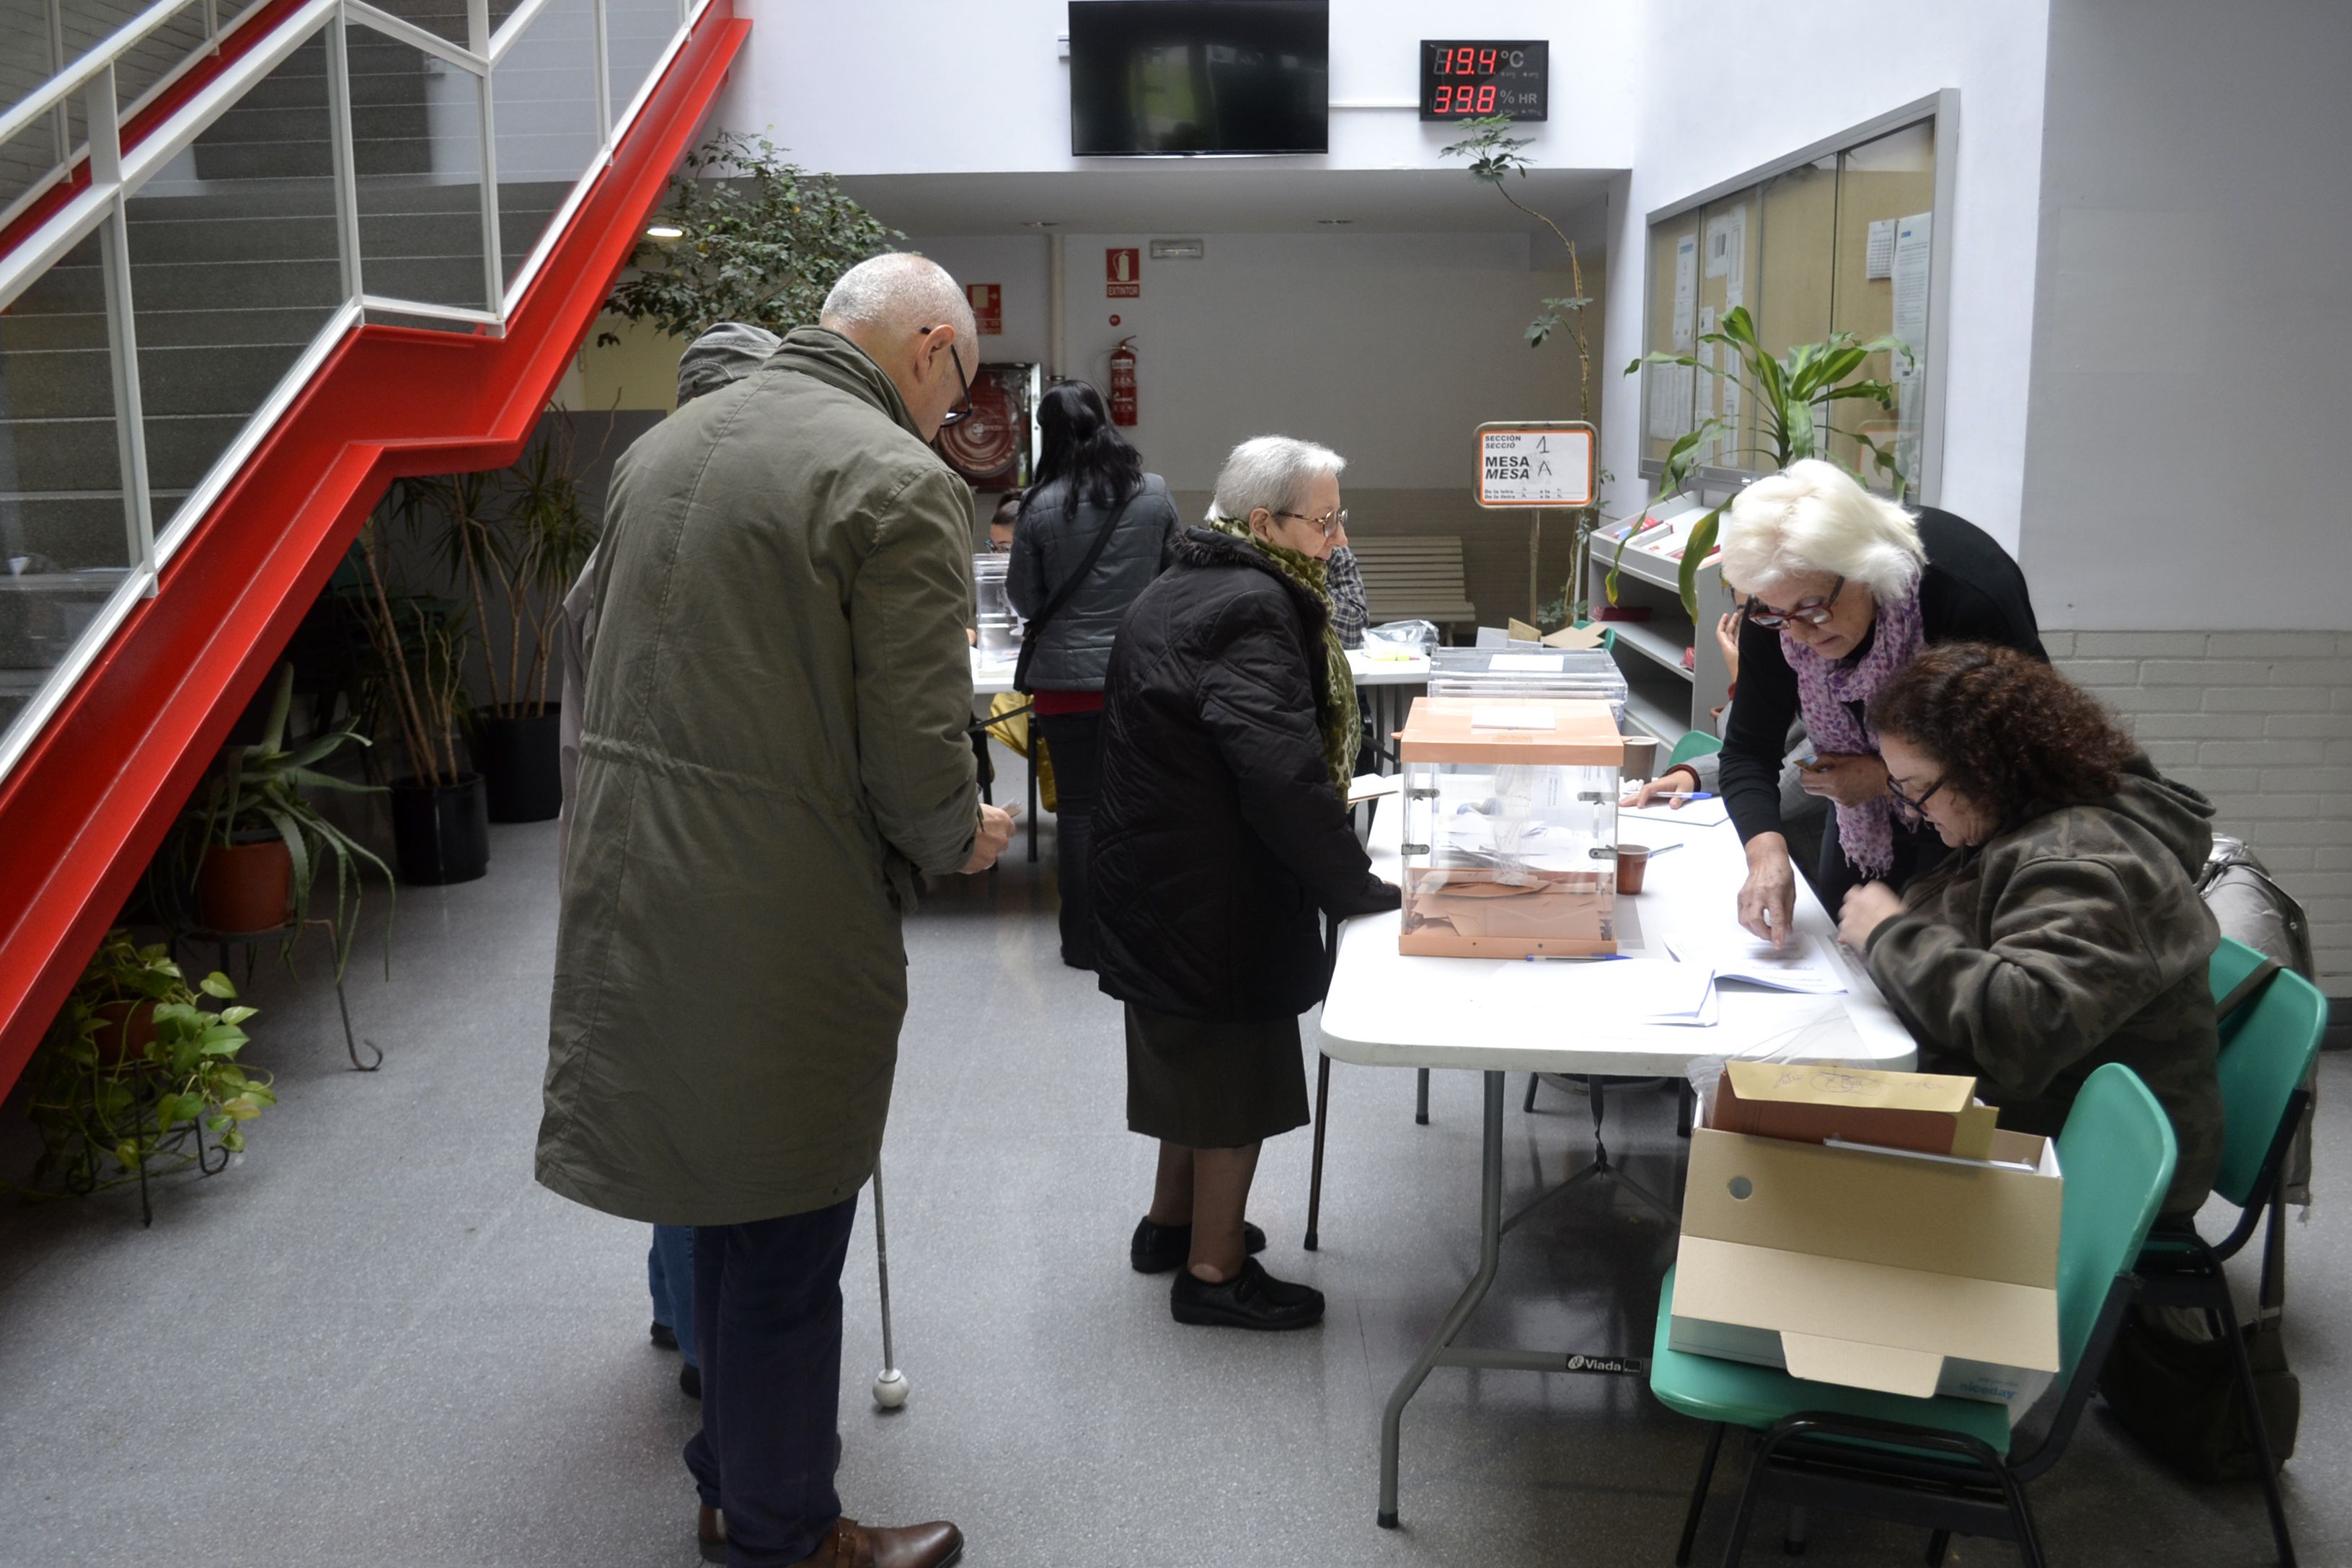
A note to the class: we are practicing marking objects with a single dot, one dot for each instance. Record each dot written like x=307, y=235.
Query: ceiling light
x=1334, y=223
x=664, y=231
x=1041, y=223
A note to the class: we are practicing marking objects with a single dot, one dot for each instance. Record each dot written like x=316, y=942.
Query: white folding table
x=1387, y=1009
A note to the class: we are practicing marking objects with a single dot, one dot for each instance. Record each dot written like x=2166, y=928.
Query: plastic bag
x=1408, y=636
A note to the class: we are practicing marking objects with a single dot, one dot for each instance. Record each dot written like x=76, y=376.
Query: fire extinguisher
x=1122, y=383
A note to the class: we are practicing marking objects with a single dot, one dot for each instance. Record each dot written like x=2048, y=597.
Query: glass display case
x=998, y=628
x=1510, y=827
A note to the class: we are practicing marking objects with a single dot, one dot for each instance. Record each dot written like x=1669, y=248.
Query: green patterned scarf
x=1338, y=720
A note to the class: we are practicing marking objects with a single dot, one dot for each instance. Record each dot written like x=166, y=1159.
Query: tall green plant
x=1785, y=393
x=257, y=790
x=1495, y=157
x=760, y=240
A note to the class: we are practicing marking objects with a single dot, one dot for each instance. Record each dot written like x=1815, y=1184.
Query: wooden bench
x=1414, y=576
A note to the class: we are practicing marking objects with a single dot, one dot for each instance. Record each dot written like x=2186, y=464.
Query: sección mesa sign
x=1536, y=463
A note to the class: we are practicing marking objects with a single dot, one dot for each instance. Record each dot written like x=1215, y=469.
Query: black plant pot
x=520, y=768
x=442, y=832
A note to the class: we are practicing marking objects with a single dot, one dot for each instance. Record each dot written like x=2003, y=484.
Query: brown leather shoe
x=710, y=1534
x=854, y=1545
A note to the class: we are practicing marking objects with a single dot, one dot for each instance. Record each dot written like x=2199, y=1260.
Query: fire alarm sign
x=1123, y=272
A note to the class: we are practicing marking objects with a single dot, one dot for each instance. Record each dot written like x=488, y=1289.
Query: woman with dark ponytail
x=1089, y=480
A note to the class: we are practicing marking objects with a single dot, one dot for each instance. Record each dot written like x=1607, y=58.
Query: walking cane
x=890, y=1384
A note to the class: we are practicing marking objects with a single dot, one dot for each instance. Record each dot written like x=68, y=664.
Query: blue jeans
x=767, y=1309
x=670, y=1271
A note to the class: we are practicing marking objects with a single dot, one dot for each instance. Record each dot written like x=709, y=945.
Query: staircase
x=236, y=275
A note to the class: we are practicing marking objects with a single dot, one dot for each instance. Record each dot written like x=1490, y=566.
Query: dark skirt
x=1206, y=1084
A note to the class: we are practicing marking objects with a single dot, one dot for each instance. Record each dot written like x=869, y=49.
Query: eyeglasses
x=963, y=409
x=1913, y=808
x=1812, y=611
x=1330, y=523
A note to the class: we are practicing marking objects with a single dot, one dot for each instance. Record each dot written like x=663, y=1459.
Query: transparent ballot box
x=1510, y=826
x=998, y=628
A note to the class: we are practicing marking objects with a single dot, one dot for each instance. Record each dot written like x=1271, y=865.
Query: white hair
x=1272, y=471
x=1813, y=517
x=899, y=290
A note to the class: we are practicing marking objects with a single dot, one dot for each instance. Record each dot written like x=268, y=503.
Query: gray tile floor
x=373, y=1340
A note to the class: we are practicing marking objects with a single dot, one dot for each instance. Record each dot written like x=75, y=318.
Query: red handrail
x=87, y=807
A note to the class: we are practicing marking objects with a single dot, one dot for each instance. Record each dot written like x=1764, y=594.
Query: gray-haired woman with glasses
x=1839, y=588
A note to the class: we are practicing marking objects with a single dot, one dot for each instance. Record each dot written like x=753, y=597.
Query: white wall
x=1729, y=87
x=2192, y=341
x=940, y=86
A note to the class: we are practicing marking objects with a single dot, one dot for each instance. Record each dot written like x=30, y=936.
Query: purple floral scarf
x=1824, y=687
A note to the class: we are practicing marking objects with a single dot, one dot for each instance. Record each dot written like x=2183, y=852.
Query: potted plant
x=138, y=1070
x=515, y=540
x=440, y=814
x=257, y=845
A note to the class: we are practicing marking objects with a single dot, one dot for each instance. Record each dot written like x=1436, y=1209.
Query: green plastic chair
x=1695, y=743
x=2269, y=1043
x=1943, y=1462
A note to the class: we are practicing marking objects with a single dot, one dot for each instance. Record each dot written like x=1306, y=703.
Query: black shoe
x=1252, y=1299
x=689, y=1381
x=1159, y=1247
x=663, y=1338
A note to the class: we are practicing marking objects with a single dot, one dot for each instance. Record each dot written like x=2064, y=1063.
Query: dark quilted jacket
x=1218, y=836
x=1048, y=544
x=2071, y=941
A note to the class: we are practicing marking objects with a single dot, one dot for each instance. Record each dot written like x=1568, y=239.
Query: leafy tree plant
x=1495, y=157
x=760, y=240
x=1793, y=397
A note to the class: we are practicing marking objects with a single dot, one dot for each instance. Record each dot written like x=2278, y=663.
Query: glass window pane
x=64, y=543
x=544, y=105
x=446, y=18
x=417, y=135
x=1883, y=182
x=635, y=33
x=234, y=271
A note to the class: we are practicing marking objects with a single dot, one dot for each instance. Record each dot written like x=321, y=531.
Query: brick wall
x=2262, y=722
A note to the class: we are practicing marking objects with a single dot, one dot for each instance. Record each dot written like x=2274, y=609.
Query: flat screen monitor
x=1191, y=77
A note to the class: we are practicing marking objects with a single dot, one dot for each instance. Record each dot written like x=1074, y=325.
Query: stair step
x=79, y=383
x=70, y=454
x=73, y=530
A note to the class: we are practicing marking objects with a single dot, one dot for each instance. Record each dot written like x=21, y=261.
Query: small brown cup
x=1633, y=867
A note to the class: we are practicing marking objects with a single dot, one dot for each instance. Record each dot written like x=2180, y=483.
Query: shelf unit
x=1664, y=697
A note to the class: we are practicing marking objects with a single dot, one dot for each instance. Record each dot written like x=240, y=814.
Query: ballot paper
x=1600, y=992
x=1693, y=814
x=1366, y=787
x=1731, y=954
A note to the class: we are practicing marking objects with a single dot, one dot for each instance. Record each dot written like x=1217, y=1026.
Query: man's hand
x=1767, y=899
x=1676, y=780
x=1867, y=908
x=1848, y=780
x=995, y=833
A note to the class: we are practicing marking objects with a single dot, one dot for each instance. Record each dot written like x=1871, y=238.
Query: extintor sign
x=1123, y=272
x=1122, y=383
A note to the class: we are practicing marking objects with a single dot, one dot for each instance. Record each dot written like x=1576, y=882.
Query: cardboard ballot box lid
x=1875, y=1266
x=1558, y=731
x=1934, y=1114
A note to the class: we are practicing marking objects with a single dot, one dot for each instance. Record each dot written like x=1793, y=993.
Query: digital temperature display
x=1465, y=79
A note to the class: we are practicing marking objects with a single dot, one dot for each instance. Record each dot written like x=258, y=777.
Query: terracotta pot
x=124, y=1028
x=246, y=887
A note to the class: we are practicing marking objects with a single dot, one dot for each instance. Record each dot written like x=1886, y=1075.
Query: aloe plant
x=1783, y=393
x=258, y=788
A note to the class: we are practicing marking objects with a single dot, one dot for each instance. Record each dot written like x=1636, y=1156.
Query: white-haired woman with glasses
x=1838, y=590
x=1229, y=734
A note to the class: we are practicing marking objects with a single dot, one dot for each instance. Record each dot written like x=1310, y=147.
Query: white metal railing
x=116, y=174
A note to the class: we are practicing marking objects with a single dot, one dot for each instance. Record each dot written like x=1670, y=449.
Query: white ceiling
x=1182, y=196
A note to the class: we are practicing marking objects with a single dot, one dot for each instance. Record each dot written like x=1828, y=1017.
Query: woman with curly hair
x=2065, y=931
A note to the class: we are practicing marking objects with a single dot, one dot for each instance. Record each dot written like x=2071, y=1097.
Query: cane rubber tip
x=890, y=1389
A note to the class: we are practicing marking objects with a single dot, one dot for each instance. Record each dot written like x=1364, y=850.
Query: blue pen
x=1689, y=795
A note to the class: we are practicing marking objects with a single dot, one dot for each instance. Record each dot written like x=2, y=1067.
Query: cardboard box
x=1932, y=1114
x=1911, y=1273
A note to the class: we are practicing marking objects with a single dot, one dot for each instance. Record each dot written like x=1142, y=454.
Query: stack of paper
x=1601, y=993
x=1732, y=953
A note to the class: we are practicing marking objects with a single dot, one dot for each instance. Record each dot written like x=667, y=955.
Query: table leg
x=1315, y=1177
x=1421, y=1101
x=1490, y=1251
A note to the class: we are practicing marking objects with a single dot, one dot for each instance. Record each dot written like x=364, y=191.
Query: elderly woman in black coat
x=1229, y=735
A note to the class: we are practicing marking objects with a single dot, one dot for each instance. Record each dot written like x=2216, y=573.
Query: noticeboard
x=1535, y=463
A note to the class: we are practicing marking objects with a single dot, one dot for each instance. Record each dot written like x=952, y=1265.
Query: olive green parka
x=774, y=745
